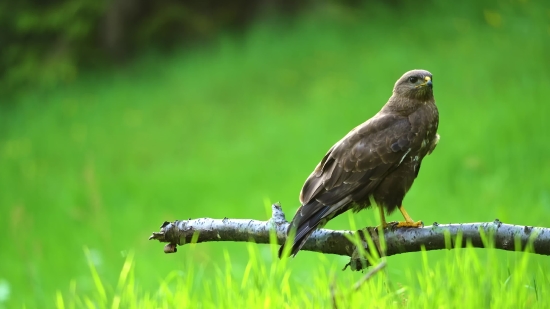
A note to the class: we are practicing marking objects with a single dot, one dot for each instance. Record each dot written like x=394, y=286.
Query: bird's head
x=415, y=84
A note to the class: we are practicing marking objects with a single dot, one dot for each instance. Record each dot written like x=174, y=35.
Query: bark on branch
x=435, y=237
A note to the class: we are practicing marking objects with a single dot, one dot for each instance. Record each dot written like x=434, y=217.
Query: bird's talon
x=417, y=224
x=388, y=225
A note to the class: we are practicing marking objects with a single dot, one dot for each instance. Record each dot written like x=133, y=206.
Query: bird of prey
x=377, y=161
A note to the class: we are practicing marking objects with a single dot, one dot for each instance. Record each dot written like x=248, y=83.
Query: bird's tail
x=304, y=225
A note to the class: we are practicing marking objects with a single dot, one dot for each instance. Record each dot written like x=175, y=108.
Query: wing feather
x=360, y=157
x=350, y=171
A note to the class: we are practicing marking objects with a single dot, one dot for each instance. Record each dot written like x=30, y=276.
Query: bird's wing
x=351, y=170
x=362, y=158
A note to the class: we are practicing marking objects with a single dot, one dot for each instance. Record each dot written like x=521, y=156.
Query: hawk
x=377, y=161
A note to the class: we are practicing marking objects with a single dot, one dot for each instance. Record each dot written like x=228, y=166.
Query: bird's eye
x=413, y=79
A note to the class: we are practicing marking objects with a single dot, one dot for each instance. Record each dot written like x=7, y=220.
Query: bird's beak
x=427, y=82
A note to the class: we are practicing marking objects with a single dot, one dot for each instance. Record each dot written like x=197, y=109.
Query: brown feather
x=378, y=159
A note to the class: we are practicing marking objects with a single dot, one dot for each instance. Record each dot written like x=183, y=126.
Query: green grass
x=460, y=279
x=221, y=130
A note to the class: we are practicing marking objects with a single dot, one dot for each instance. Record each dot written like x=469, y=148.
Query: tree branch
x=401, y=240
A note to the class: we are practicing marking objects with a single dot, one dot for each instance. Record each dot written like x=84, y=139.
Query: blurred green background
x=116, y=116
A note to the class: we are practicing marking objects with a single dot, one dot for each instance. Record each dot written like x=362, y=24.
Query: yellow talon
x=409, y=222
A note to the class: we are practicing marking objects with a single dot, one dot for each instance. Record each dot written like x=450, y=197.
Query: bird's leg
x=383, y=223
x=408, y=220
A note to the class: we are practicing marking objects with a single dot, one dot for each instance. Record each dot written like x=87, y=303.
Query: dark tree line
x=48, y=41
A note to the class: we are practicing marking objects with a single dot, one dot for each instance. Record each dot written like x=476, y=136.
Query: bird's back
x=378, y=159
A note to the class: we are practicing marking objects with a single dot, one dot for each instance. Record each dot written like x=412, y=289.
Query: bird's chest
x=424, y=130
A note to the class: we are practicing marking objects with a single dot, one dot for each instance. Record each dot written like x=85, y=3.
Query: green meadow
x=90, y=169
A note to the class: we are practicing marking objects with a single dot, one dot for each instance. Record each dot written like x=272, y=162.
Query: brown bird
x=378, y=160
